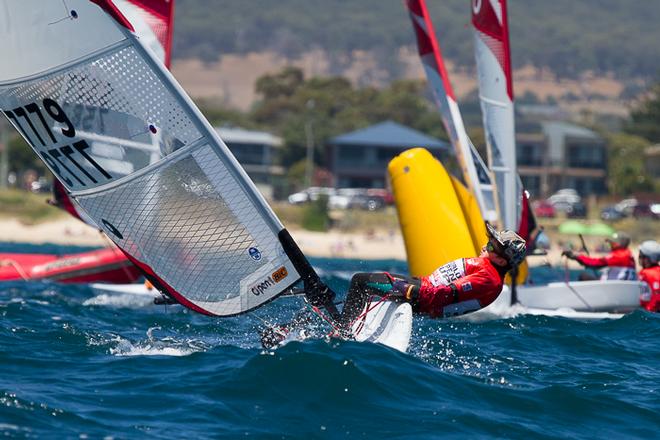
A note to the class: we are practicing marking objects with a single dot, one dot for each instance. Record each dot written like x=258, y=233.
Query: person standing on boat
x=461, y=286
x=619, y=264
x=649, y=255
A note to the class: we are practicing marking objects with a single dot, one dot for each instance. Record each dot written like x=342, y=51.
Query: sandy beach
x=65, y=231
x=377, y=245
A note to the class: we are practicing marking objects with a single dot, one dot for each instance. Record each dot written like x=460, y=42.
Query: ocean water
x=78, y=364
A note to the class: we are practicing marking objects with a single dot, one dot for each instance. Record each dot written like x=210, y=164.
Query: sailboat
x=192, y=221
x=493, y=56
x=496, y=96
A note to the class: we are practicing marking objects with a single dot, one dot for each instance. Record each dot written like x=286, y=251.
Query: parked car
x=543, y=208
x=370, y=203
x=611, y=213
x=576, y=210
x=655, y=208
x=643, y=210
x=310, y=194
x=564, y=197
x=343, y=197
x=387, y=196
x=626, y=206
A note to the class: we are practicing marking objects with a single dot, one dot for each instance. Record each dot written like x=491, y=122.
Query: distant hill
x=568, y=37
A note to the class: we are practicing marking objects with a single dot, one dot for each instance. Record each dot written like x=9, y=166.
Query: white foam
x=121, y=300
x=153, y=347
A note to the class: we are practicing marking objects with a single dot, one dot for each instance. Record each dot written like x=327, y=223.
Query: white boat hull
x=577, y=299
x=584, y=296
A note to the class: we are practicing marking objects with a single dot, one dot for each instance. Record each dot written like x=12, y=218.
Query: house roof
x=241, y=136
x=388, y=134
x=557, y=132
x=568, y=129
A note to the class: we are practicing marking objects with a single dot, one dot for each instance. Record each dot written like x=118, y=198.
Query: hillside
x=567, y=37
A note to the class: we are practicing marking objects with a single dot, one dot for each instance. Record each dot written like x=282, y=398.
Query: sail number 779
x=70, y=161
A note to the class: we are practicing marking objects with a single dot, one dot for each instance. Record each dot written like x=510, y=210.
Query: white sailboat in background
x=475, y=172
x=192, y=220
x=493, y=56
x=489, y=19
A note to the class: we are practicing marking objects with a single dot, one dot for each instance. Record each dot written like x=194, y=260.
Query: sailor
x=458, y=287
x=619, y=264
x=649, y=254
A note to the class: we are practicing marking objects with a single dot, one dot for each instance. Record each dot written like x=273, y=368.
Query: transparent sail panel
x=99, y=121
x=189, y=219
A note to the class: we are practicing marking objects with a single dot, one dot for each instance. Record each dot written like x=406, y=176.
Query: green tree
x=23, y=158
x=315, y=216
x=296, y=107
x=626, y=171
x=645, y=117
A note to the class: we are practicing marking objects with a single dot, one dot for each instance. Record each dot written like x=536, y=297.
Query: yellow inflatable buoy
x=440, y=219
x=432, y=212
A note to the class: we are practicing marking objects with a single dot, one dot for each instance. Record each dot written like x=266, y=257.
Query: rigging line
x=16, y=267
x=69, y=15
x=566, y=281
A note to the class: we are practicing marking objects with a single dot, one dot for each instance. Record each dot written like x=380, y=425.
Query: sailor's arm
x=586, y=261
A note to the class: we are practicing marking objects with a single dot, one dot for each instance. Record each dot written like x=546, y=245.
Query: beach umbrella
x=572, y=227
x=599, y=229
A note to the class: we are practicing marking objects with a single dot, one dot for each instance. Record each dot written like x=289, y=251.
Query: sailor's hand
x=399, y=288
x=568, y=254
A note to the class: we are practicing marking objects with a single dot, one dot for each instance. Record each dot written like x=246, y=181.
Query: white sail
x=491, y=39
x=98, y=107
x=475, y=173
x=153, y=22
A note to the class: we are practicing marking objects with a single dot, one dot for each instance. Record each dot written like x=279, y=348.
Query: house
x=563, y=155
x=359, y=159
x=652, y=160
x=255, y=151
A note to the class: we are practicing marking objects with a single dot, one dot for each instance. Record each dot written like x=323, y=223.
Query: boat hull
x=103, y=265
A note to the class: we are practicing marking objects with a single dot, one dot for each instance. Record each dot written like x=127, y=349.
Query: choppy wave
x=76, y=364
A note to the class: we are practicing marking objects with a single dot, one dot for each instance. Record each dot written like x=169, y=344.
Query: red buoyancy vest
x=476, y=284
x=618, y=257
x=652, y=276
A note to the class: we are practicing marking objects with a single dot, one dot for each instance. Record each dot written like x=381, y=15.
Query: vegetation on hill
x=568, y=37
x=26, y=207
x=330, y=106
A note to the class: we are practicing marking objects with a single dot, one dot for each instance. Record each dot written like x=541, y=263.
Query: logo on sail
x=265, y=284
x=255, y=253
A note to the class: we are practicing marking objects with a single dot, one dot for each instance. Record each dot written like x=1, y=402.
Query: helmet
x=651, y=250
x=621, y=239
x=512, y=245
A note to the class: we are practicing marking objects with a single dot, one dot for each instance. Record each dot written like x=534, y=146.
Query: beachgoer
x=619, y=264
x=458, y=287
x=649, y=255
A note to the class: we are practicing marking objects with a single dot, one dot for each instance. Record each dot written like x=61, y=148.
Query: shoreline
x=372, y=245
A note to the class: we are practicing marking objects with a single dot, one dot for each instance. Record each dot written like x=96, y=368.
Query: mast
x=475, y=173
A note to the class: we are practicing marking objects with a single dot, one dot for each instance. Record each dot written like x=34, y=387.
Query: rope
x=17, y=267
x=566, y=281
x=364, y=314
